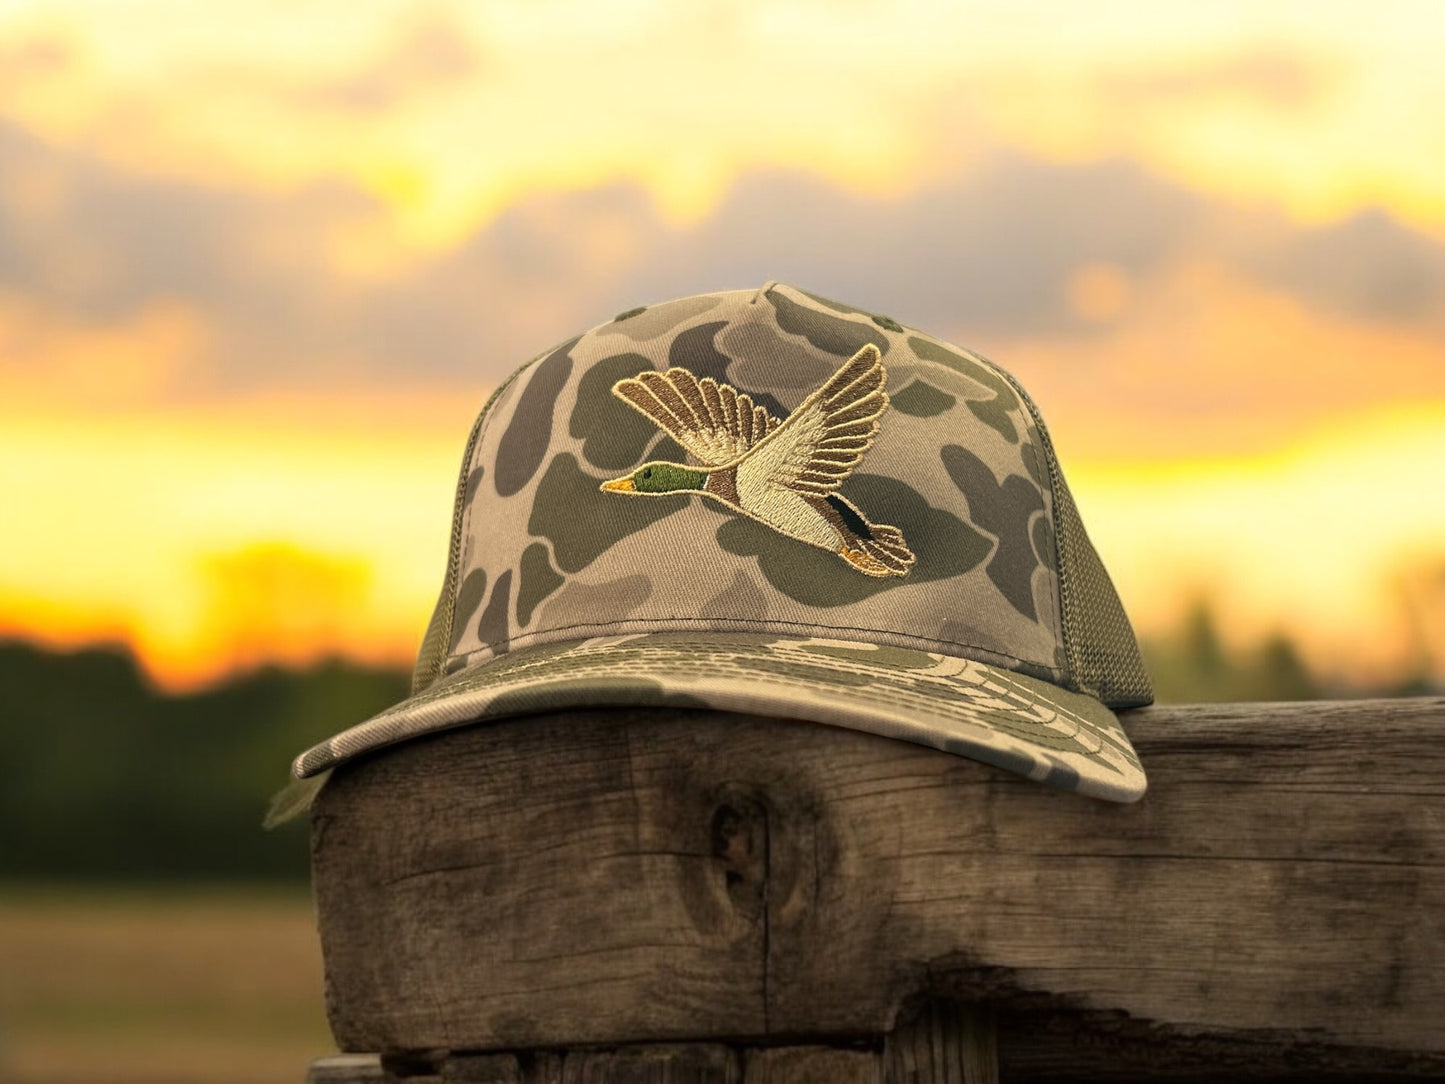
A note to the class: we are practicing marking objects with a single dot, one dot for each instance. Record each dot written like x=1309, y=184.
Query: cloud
x=35, y=56
x=1271, y=77
x=991, y=250
x=430, y=55
x=32, y=64
x=1013, y=248
x=96, y=246
x=1369, y=266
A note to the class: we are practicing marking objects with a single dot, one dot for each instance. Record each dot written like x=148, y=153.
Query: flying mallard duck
x=783, y=474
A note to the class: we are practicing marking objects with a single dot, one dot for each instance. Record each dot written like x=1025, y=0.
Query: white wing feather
x=819, y=444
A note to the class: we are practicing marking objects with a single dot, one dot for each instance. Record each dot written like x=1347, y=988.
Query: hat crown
x=859, y=480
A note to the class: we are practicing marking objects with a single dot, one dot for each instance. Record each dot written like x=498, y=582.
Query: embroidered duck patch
x=784, y=474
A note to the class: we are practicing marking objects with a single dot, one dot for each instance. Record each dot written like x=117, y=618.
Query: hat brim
x=960, y=706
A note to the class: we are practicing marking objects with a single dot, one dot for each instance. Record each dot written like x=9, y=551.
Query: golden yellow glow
x=211, y=542
x=272, y=601
x=454, y=112
x=1224, y=436
x=217, y=538
x=1317, y=539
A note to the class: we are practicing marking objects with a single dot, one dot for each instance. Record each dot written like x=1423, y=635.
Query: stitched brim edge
x=956, y=705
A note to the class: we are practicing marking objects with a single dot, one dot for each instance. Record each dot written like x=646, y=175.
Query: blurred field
x=183, y=985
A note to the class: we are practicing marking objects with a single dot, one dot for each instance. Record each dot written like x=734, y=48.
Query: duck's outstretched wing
x=714, y=422
x=818, y=445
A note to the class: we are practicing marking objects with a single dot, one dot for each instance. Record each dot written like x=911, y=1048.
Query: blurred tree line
x=1195, y=666
x=104, y=778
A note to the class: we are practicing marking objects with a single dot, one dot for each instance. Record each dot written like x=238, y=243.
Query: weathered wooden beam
x=1037, y=1047
x=615, y=876
x=662, y=1064
x=811, y=1065
x=944, y=1042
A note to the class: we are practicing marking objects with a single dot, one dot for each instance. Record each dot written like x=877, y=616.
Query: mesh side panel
x=433, y=646
x=1103, y=654
x=432, y=656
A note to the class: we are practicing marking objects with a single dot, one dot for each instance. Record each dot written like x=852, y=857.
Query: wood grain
x=811, y=1065
x=614, y=876
x=698, y=1064
x=945, y=1042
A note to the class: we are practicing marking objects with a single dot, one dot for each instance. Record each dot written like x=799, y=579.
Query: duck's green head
x=654, y=478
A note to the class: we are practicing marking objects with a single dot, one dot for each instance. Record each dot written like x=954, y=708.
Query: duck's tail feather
x=883, y=554
x=888, y=547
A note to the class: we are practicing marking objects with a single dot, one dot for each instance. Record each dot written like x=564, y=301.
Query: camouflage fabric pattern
x=546, y=555
x=542, y=556
x=942, y=701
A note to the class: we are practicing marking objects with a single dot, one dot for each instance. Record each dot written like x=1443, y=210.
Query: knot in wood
x=740, y=845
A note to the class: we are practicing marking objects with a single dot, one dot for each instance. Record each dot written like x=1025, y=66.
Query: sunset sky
x=261, y=264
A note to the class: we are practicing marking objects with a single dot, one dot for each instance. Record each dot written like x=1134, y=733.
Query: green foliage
x=1194, y=666
x=103, y=777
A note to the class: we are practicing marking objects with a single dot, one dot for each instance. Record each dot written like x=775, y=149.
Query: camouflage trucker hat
x=767, y=502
